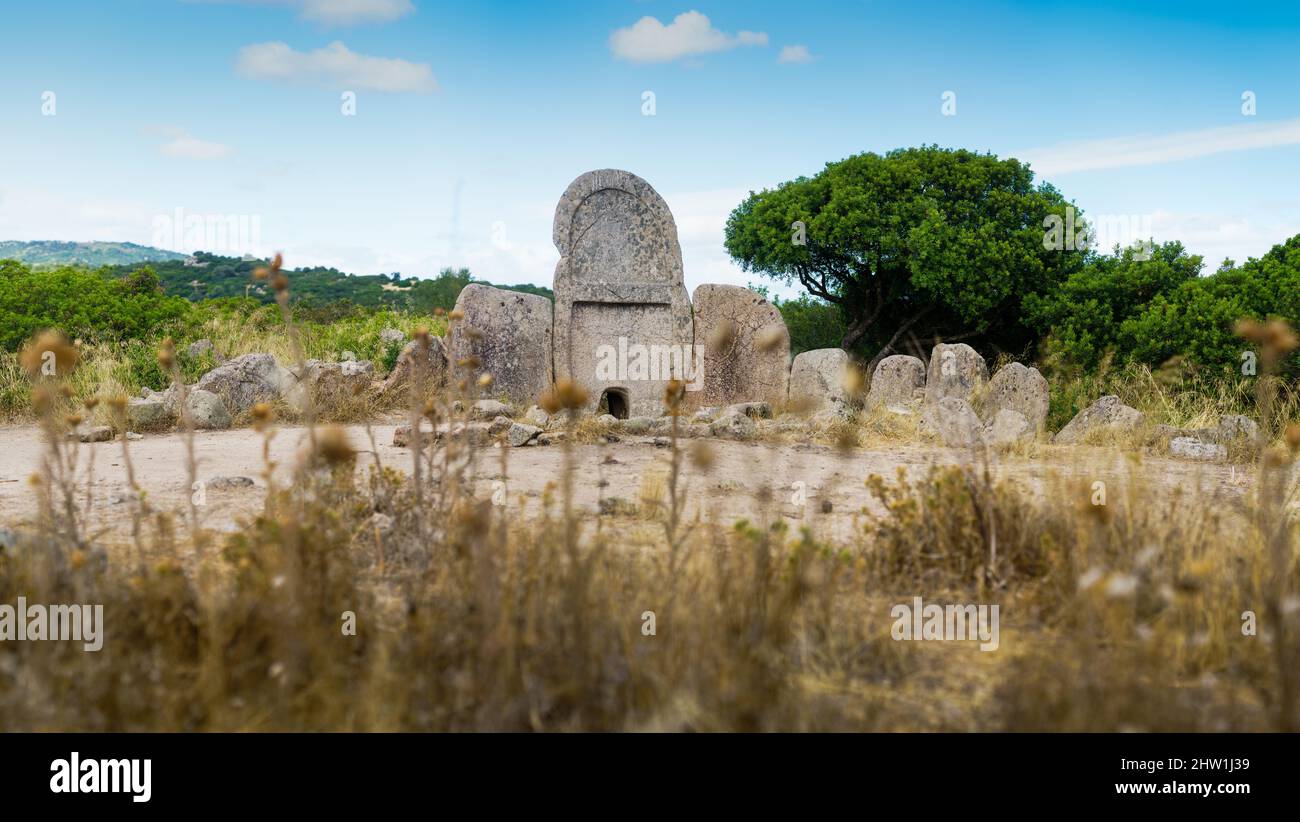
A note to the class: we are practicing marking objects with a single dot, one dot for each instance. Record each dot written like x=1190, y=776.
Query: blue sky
x=471, y=118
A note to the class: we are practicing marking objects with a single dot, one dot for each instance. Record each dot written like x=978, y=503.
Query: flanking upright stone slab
x=955, y=371
x=895, y=381
x=622, y=315
x=1017, y=388
x=746, y=354
x=817, y=381
x=509, y=332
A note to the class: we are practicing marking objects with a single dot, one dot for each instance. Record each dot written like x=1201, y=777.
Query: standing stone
x=955, y=371
x=622, y=314
x=746, y=347
x=510, y=334
x=1107, y=414
x=895, y=381
x=954, y=421
x=1017, y=388
x=817, y=381
x=1007, y=427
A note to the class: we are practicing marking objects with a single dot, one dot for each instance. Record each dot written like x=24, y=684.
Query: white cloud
x=1144, y=150
x=689, y=34
x=794, y=54
x=335, y=66
x=343, y=12
x=351, y=12
x=184, y=145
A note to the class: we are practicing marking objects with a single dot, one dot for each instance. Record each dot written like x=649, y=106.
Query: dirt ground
x=811, y=485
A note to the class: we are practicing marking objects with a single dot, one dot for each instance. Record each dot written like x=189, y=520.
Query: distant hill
x=50, y=252
x=206, y=276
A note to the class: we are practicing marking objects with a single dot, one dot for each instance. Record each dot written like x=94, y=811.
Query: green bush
x=83, y=304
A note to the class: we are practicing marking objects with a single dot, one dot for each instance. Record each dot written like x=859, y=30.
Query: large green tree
x=917, y=244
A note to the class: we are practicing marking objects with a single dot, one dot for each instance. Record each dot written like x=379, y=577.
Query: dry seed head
x=1292, y=435
x=853, y=381
x=571, y=395
x=49, y=347
x=484, y=380
x=263, y=416
x=117, y=402
x=722, y=336
x=278, y=262
x=674, y=392
x=549, y=401
x=261, y=272
x=279, y=282
x=702, y=456
x=770, y=337
x=42, y=399
x=456, y=314
x=91, y=402
x=1279, y=336
x=73, y=420
x=65, y=391
x=471, y=362
x=333, y=446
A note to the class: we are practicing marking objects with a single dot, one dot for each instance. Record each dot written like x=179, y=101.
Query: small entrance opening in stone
x=614, y=402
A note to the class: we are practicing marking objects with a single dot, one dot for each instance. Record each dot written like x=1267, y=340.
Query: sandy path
x=816, y=474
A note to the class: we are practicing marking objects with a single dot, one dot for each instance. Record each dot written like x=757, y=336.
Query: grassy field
x=1148, y=611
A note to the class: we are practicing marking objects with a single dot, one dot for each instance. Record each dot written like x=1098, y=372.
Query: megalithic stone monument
x=622, y=314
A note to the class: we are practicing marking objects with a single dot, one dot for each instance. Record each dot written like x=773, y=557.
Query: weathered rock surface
x=955, y=371
x=895, y=381
x=1006, y=428
x=488, y=409
x=622, y=314
x=756, y=410
x=1107, y=415
x=954, y=421
x=1017, y=388
x=509, y=333
x=746, y=346
x=147, y=414
x=817, y=381
x=244, y=381
x=536, y=416
x=519, y=434
x=734, y=426
x=207, y=409
x=1194, y=449
x=435, y=365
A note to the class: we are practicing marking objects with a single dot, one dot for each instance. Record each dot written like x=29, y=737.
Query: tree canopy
x=917, y=244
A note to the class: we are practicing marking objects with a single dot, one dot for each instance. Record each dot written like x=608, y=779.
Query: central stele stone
x=619, y=293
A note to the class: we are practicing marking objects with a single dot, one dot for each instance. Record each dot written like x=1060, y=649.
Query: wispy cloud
x=180, y=143
x=794, y=54
x=342, y=12
x=335, y=66
x=1145, y=150
x=688, y=35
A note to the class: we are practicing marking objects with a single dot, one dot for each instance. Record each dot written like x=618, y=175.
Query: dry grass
x=1116, y=616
